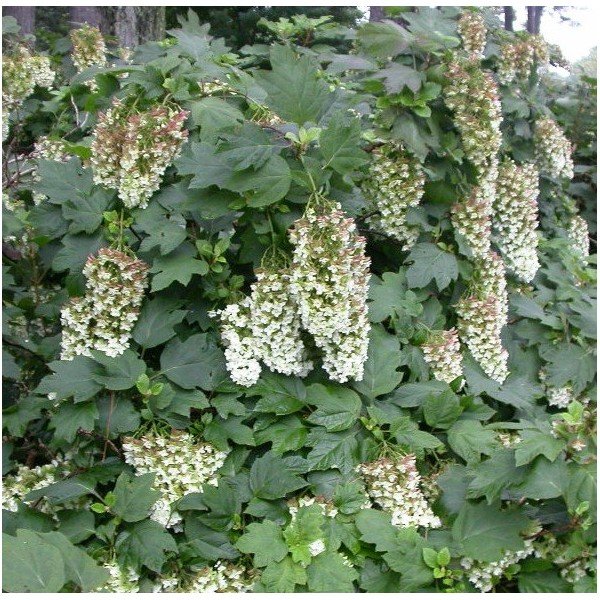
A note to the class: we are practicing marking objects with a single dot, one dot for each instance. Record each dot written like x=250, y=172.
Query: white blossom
x=552, y=149
x=394, y=485
x=472, y=30
x=516, y=218
x=181, y=466
x=579, y=236
x=442, y=353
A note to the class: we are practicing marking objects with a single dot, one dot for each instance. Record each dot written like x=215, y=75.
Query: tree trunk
x=25, y=16
x=534, y=18
x=79, y=15
x=509, y=18
x=375, y=13
x=134, y=25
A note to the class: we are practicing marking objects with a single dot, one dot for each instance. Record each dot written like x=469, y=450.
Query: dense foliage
x=297, y=319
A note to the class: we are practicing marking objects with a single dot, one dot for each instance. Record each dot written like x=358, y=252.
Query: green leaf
x=76, y=525
x=387, y=296
x=536, y=442
x=293, y=90
x=270, y=478
x=442, y=410
x=214, y=115
x=86, y=212
x=70, y=418
x=486, y=532
x=429, y=262
x=248, y=146
x=197, y=362
x=282, y=577
x=134, y=496
x=495, y=475
x=410, y=395
x=378, y=578
x=285, y=435
x=80, y=568
x=279, y=394
x=384, y=39
x=470, y=440
x=117, y=416
x=328, y=573
x=63, y=180
x=407, y=559
x=381, y=375
x=29, y=565
x=119, y=372
x=164, y=234
x=179, y=266
x=545, y=480
x=145, y=543
x=539, y=582
x=407, y=433
x=207, y=167
x=332, y=450
x=305, y=529
x=376, y=528
x=219, y=430
x=398, y=76
x=75, y=251
x=155, y=324
x=72, y=378
x=265, y=541
x=337, y=407
x=339, y=145
x=569, y=362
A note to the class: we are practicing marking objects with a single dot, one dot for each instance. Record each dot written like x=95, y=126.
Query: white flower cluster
x=572, y=568
x=552, y=149
x=560, y=397
x=395, y=184
x=121, y=580
x=27, y=479
x=484, y=576
x=579, y=236
x=472, y=95
x=89, y=49
x=472, y=219
x=472, y=30
x=21, y=72
x=516, y=218
x=181, y=465
x=481, y=316
x=518, y=57
x=330, y=281
x=442, y=353
x=5, y=121
x=395, y=486
x=222, y=577
x=131, y=150
x=104, y=318
x=264, y=326
x=328, y=509
x=51, y=149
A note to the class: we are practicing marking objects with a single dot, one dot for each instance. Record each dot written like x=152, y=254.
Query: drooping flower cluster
x=21, y=72
x=51, y=149
x=330, y=281
x=264, y=326
x=181, y=465
x=472, y=30
x=579, y=236
x=561, y=553
x=89, y=49
x=552, y=149
x=27, y=479
x=559, y=397
x=442, y=354
x=131, y=149
x=484, y=576
x=516, y=218
x=104, y=318
x=518, y=57
x=222, y=577
x=481, y=316
x=121, y=580
x=395, y=184
x=472, y=219
x=472, y=95
x=395, y=486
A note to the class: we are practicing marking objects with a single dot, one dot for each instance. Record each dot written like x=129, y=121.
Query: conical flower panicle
x=89, y=49
x=104, y=318
x=394, y=485
x=516, y=218
x=481, y=316
x=472, y=30
x=395, y=184
x=472, y=219
x=552, y=149
x=330, y=279
x=579, y=236
x=442, y=354
x=131, y=150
